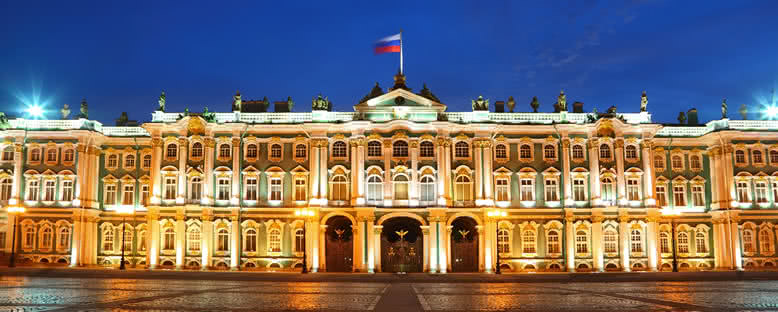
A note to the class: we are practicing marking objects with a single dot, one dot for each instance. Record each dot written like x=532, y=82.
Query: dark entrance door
x=339, y=244
x=401, y=246
x=464, y=245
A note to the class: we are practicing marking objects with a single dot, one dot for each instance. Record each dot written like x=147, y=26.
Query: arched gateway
x=340, y=247
x=464, y=245
x=402, y=247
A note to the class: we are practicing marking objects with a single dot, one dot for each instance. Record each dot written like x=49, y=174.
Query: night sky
x=120, y=55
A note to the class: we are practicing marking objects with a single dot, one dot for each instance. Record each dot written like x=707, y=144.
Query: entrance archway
x=464, y=245
x=402, y=247
x=339, y=244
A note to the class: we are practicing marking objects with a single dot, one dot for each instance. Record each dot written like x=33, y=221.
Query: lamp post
x=15, y=210
x=305, y=213
x=671, y=214
x=496, y=214
x=124, y=211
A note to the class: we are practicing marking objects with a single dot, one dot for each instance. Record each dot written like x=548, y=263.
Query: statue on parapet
x=65, y=111
x=84, y=110
x=561, y=101
x=320, y=103
x=480, y=104
x=724, y=108
x=534, y=104
x=161, y=102
x=643, y=102
x=236, y=102
x=743, y=111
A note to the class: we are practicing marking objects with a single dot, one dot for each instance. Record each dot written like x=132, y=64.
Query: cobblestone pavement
x=101, y=294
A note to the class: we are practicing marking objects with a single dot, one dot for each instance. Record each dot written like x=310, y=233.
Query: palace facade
x=400, y=184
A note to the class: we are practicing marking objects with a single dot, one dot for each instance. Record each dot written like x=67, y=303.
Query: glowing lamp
x=771, y=111
x=35, y=111
x=15, y=209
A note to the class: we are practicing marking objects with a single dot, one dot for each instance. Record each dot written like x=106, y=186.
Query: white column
x=713, y=156
x=487, y=177
x=323, y=175
x=81, y=177
x=152, y=239
x=447, y=172
x=312, y=244
x=649, y=198
x=443, y=238
x=489, y=246
x=433, y=247
x=570, y=243
x=322, y=246
x=729, y=175
x=479, y=172
x=594, y=173
x=315, y=172
x=236, y=172
x=449, y=228
x=481, y=253
x=16, y=187
x=180, y=236
x=624, y=242
x=377, y=245
x=622, y=187
x=354, y=172
x=652, y=231
x=361, y=172
x=568, y=186
x=414, y=183
x=156, y=165
x=736, y=255
x=387, y=173
x=235, y=249
x=440, y=159
x=597, y=251
x=370, y=245
x=207, y=197
x=181, y=196
x=206, y=241
x=358, y=236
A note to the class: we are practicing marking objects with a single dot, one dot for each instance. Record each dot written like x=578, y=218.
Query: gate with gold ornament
x=340, y=246
x=402, y=248
x=464, y=245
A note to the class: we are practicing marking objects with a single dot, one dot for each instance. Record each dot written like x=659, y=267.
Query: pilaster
x=594, y=173
x=622, y=187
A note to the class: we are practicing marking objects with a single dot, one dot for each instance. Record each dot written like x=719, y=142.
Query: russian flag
x=391, y=44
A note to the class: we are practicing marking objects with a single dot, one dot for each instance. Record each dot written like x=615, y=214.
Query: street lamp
x=496, y=214
x=124, y=211
x=35, y=111
x=305, y=213
x=15, y=210
x=671, y=214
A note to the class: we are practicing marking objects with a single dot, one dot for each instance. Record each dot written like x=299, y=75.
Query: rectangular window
x=110, y=194
x=502, y=189
x=128, y=197
x=633, y=189
x=610, y=242
x=527, y=190
x=579, y=190
x=636, y=241
x=775, y=192
x=552, y=193
x=6, y=187
x=275, y=189
x=251, y=188
x=197, y=190
x=581, y=243
x=528, y=242
x=67, y=190
x=679, y=196
x=760, y=191
x=301, y=190
x=742, y=192
x=170, y=188
x=32, y=190
x=698, y=196
x=224, y=189
x=50, y=190
x=661, y=196
x=144, y=194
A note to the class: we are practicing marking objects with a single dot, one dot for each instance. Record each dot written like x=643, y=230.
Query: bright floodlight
x=771, y=111
x=35, y=111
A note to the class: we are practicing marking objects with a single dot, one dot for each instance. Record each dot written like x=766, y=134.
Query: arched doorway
x=464, y=245
x=339, y=244
x=402, y=246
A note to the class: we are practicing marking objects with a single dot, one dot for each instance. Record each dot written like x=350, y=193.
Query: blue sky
x=121, y=55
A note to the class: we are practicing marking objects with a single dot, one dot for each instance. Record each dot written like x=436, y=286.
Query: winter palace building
x=400, y=184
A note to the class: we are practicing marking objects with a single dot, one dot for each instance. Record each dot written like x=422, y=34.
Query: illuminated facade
x=398, y=185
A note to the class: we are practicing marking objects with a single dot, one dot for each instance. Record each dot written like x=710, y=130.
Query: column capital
x=180, y=217
x=235, y=142
x=618, y=143
x=204, y=218
x=156, y=141
x=182, y=142
x=598, y=219
x=647, y=144
x=570, y=219
x=624, y=219
x=565, y=142
x=209, y=142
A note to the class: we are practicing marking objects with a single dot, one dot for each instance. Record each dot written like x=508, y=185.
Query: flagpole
x=401, y=51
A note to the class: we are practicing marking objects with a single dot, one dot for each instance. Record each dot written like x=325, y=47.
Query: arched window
x=549, y=152
x=63, y=240
x=553, y=244
x=29, y=237
x=300, y=151
x=47, y=237
x=339, y=186
x=6, y=186
x=631, y=152
x=251, y=151
x=427, y=189
x=193, y=239
x=69, y=155
x=375, y=189
x=610, y=241
x=146, y=161
x=501, y=151
x=127, y=239
x=740, y=157
x=683, y=242
x=51, y=154
x=677, y=162
x=35, y=155
x=578, y=152
x=503, y=241
x=695, y=163
x=462, y=149
x=113, y=161
x=664, y=242
x=400, y=149
x=701, y=243
x=581, y=242
x=129, y=161
x=108, y=239
x=197, y=150
x=659, y=162
x=171, y=150
x=224, y=151
x=250, y=244
x=274, y=244
x=401, y=187
x=463, y=189
x=748, y=241
x=374, y=149
x=757, y=156
x=636, y=241
x=426, y=149
x=299, y=240
x=605, y=151
x=275, y=150
x=8, y=153
x=222, y=240
x=608, y=191
x=773, y=156
x=525, y=152
x=765, y=241
x=528, y=242
x=142, y=240
x=196, y=190
x=169, y=239
x=339, y=149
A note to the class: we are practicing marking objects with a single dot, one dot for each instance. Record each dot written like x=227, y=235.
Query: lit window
x=401, y=187
x=375, y=189
x=463, y=189
x=223, y=240
x=633, y=189
x=581, y=242
x=338, y=149
x=503, y=241
x=748, y=241
x=552, y=191
x=698, y=196
x=760, y=191
x=661, y=195
x=300, y=189
x=664, y=242
x=63, y=241
x=501, y=151
x=128, y=196
x=742, y=192
x=108, y=239
x=740, y=157
x=605, y=151
x=502, y=189
x=579, y=189
x=427, y=149
x=528, y=242
x=765, y=241
x=300, y=151
x=679, y=195
x=275, y=150
x=275, y=240
x=170, y=188
x=47, y=238
x=250, y=244
x=553, y=242
x=197, y=150
x=677, y=162
x=251, y=151
x=683, y=242
x=427, y=189
x=339, y=188
x=169, y=239
x=275, y=189
x=171, y=150
x=142, y=241
x=29, y=237
x=400, y=149
x=527, y=190
x=110, y=194
x=193, y=239
x=144, y=194
x=549, y=152
x=695, y=163
x=610, y=241
x=251, y=189
x=374, y=149
x=636, y=241
x=223, y=190
x=525, y=152
x=462, y=150
x=701, y=243
x=578, y=152
x=224, y=151
x=631, y=152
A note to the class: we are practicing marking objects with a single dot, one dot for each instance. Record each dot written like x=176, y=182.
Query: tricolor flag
x=389, y=44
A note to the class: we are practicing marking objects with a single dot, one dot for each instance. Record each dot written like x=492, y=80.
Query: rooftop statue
x=425, y=92
x=208, y=116
x=289, y=102
x=724, y=109
x=534, y=104
x=375, y=92
x=643, y=102
x=320, y=103
x=236, y=102
x=612, y=109
x=681, y=118
x=65, y=111
x=561, y=100
x=743, y=111
x=481, y=104
x=84, y=110
x=511, y=103
x=4, y=124
x=161, y=102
